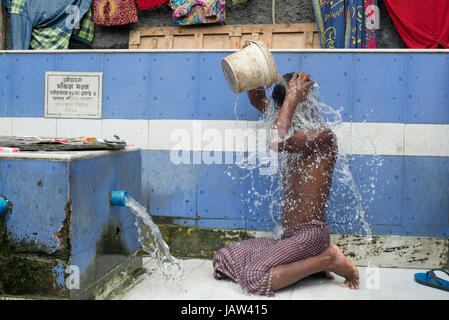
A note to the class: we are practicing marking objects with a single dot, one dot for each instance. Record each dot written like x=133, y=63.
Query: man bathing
x=264, y=265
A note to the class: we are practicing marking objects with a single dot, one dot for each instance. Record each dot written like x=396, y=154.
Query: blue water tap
x=117, y=198
x=5, y=206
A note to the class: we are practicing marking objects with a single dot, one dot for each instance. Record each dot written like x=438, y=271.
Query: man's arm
x=296, y=91
x=301, y=141
x=306, y=141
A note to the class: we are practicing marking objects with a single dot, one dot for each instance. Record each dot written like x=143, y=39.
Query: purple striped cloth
x=251, y=262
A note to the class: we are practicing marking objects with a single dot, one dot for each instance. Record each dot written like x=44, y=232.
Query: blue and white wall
x=395, y=108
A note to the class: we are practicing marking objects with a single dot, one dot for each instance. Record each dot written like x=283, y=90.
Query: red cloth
x=421, y=23
x=148, y=4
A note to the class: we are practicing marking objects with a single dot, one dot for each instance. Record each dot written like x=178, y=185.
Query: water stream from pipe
x=167, y=265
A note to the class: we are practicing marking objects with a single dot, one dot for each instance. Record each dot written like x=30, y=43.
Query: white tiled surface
x=426, y=139
x=5, y=126
x=34, y=127
x=79, y=128
x=199, y=284
x=378, y=138
x=134, y=132
x=344, y=137
x=224, y=135
x=172, y=135
x=210, y=135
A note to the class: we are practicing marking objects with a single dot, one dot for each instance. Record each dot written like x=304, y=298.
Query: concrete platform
x=199, y=284
x=63, y=239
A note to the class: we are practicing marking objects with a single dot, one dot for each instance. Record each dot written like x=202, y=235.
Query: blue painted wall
x=412, y=192
x=35, y=188
x=94, y=222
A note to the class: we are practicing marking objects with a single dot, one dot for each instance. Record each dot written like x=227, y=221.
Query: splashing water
x=310, y=113
x=167, y=265
x=236, y=102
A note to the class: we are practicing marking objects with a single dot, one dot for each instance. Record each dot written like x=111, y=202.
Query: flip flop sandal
x=430, y=279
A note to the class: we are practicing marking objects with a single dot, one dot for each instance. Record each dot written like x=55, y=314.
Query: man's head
x=280, y=90
x=306, y=113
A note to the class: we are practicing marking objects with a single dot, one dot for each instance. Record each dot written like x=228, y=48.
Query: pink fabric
x=251, y=262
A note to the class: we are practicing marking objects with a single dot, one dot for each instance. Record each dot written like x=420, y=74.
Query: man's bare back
x=307, y=185
x=311, y=156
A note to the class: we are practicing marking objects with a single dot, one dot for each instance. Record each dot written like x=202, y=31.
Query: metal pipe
x=5, y=206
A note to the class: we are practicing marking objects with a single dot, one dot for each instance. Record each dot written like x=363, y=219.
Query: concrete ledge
x=382, y=251
x=395, y=251
x=120, y=276
x=109, y=285
x=63, y=155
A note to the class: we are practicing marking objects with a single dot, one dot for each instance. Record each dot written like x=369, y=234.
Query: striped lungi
x=251, y=262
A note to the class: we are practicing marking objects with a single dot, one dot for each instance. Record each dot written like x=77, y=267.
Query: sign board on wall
x=73, y=94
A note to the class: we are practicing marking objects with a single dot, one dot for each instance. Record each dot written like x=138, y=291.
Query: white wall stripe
x=33, y=127
x=79, y=128
x=377, y=138
x=426, y=140
x=367, y=138
x=5, y=126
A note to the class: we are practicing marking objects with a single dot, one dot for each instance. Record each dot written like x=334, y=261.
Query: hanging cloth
x=361, y=25
x=188, y=12
x=114, y=12
x=148, y=4
x=346, y=23
x=331, y=21
x=43, y=24
x=421, y=24
x=2, y=29
x=85, y=33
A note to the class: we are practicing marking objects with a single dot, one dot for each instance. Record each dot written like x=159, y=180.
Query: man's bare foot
x=343, y=267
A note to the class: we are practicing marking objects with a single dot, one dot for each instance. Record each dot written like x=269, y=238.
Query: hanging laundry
x=188, y=12
x=148, y=4
x=85, y=33
x=114, y=12
x=421, y=24
x=372, y=23
x=347, y=23
x=2, y=29
x=362, y=24
x=43, y=24
x=331, y=21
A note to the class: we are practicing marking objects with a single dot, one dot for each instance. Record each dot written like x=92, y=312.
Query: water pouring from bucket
x=251, y=67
